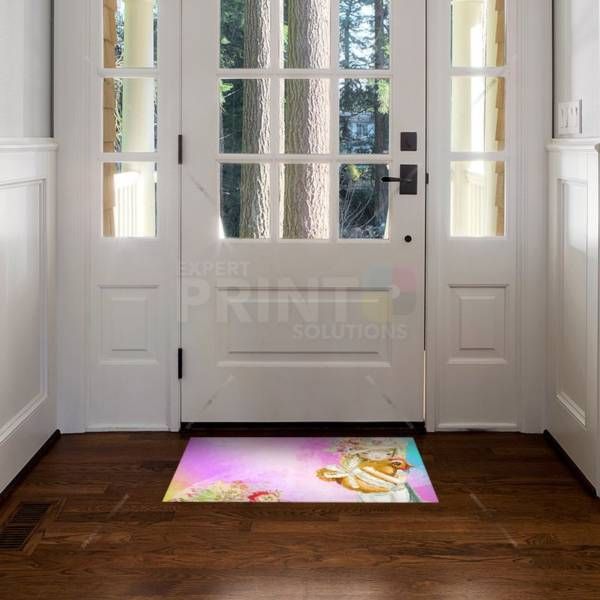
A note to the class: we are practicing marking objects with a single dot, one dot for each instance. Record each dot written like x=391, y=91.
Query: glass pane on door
x=130, y=113
x=245, y=34
x=364, y=116
x=478, y=33
x=364, y=34
x=245, y=201
x=129, y=199
x=245, y=116
x=478, y=114
x=306, y=34
x=130, y=33
x=478, y=199
x=306, y=112
x=364, y=202
x=305, y=202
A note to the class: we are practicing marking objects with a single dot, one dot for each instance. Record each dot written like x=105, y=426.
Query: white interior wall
x=25, y=68
x=27, y=234
x=573, y=408
x=577, y=59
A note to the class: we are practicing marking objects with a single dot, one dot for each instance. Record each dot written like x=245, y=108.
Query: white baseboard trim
x=23, y=436
x=575, y=411
x=12, y=426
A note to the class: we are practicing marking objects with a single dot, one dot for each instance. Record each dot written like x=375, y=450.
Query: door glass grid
x=305, y=89
x=478, y=144
x=130, y=109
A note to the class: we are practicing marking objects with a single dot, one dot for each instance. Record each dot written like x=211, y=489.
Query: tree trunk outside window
x=306, y=186
x=255, y=201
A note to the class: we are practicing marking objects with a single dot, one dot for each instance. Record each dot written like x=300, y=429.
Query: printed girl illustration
x=377, y=472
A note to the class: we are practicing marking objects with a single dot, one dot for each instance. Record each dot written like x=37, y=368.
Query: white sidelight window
x=130, y=118
x=479, y=74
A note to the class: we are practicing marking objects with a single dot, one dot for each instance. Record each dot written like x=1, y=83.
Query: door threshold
x=310, y=429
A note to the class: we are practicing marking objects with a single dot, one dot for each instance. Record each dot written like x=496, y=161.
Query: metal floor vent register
x=17, y=531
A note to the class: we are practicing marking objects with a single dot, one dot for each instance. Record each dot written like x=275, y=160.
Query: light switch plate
x=570, y=118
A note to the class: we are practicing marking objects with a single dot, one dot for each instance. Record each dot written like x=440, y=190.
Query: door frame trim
x=73, y=89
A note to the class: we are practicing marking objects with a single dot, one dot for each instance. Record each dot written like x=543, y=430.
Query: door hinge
x=180, y=363
x=426, y=178
x=180, y=149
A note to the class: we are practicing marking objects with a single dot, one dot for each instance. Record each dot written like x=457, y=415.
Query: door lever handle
x=408, y=180
x=397, y=179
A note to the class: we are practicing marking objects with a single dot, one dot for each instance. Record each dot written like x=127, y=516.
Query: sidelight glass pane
x=245, y=116
x=364, y=34
x=245, y=201
x=364, y=116
x=245, y=34
x=129, y=199
x=478, y=199
x=130, y=112
x=306, y=116
x=478, y=114
x=306, y=34
x=130, y=33
x=364, y=202
x=478, y=33
x=305, y=202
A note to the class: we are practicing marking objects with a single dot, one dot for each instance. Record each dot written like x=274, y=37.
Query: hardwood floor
x=512, y=523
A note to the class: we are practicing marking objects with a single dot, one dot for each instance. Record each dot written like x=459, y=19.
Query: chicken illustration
x=377, y=474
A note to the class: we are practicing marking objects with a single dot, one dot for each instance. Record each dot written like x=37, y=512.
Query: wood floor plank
x=512, y=522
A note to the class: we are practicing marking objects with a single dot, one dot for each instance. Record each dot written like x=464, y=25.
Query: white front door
x=302, y=272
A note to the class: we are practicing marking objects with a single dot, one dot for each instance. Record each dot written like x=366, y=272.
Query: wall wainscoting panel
x=23, y=315
x=27, y=372
x=573, y=317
